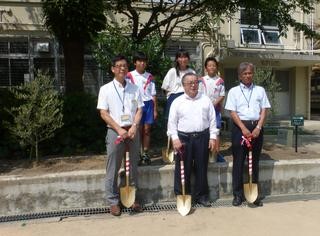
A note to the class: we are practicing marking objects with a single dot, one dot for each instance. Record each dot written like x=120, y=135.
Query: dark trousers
x=196, y=154
x=240, y=152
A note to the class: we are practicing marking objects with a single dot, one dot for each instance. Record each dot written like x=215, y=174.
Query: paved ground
x=285, y=218
x=299, y=217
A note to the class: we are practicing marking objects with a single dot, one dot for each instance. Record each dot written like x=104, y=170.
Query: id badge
x=125, y=118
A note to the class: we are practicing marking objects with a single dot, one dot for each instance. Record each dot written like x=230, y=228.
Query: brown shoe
x=115, y=210
x=136, y=207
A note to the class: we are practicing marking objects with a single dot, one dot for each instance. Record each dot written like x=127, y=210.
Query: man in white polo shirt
x=248, y=105
x=120, y=106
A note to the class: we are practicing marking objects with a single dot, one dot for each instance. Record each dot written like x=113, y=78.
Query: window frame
x=250, y=29
x=270, y=43
x=262, y=37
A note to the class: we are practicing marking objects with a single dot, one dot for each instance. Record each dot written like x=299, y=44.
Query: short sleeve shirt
x=172, y=82
x=121, y=103
x=145, y=82
x=247, y=102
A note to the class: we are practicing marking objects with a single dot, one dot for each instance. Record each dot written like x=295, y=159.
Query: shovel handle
x=127, y=167
x=182, y=177
x=250, y=162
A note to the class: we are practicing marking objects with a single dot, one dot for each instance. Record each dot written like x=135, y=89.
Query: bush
x=83, y=131
x=38, y=115
x=9, y=147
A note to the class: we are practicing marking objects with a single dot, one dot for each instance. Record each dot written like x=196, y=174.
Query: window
x=19, y=47
x=271, y=37
x=251, y=34
x=249, y=17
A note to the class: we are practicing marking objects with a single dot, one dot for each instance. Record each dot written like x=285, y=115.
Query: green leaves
x=116, y=42
x=74, y=19
x=39, y=113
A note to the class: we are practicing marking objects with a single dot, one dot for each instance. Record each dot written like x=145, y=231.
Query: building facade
x=26, y=46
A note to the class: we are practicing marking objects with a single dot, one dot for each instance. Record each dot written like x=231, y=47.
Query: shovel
x=183, y=201
x=250, y=189
x=127, y=193
x=167, y=154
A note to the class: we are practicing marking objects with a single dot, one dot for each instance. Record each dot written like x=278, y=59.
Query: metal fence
x=21, y=57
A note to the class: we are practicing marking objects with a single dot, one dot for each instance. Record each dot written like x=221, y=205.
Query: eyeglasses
x=192, y=83
x=121, y=66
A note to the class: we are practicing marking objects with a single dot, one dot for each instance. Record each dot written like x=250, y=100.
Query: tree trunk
x=37, y=152
x=74, y=65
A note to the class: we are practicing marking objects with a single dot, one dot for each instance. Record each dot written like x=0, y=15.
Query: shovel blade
x=184, y=204
x=127, y=195
x=167, y=156
x=250, y=192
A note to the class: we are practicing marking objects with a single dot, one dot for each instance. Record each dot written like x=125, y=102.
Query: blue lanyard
x=122, y=100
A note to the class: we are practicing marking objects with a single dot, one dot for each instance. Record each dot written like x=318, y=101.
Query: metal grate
x=154, y=208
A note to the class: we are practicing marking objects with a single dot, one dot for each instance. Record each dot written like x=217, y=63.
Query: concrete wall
x=85, y=189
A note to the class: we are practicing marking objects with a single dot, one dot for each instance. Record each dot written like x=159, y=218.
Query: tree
x=114, y=42
x=75, y=23
x=164, y=16
x=266, y=78
x=39, y=113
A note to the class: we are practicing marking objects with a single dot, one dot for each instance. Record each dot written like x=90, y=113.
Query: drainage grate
x=154, y=208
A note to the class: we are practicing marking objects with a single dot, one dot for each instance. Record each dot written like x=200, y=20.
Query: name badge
x=125, y=118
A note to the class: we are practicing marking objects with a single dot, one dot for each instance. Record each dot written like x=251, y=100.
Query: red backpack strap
x=201, y=79
x=220, y=81
x=150, y=78
x=129, y=76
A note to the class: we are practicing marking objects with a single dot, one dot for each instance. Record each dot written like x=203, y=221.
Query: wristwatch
x=258, y=127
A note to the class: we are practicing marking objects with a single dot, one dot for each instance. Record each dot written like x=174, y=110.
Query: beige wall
x=23, y=16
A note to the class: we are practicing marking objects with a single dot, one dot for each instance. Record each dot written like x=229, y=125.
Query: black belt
x=193, y=134
x=249, y=122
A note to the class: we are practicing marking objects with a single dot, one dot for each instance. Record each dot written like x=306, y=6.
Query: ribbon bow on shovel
x=127, y=193
x=250, y=189
x=183, y=201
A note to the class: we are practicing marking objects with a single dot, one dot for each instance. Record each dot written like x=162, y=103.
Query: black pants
x=240, y=153
x=195, y=158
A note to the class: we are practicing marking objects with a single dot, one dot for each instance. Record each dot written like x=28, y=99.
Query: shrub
x=38, y=115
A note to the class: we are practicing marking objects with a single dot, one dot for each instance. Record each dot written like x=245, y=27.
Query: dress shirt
x=247, y=101
x=191, y=115
x=114, y=98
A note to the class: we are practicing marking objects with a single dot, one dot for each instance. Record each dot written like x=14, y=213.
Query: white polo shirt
x=121, y=103
x=145, y=82
x=213, y=87
x=192, y=115
x=247, y=102
x=172, y=83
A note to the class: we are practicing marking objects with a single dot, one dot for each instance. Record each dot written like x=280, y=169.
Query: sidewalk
x=273, y=219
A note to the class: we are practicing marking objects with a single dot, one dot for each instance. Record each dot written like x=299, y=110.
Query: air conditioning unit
x=42, y=47
x=231, y=44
